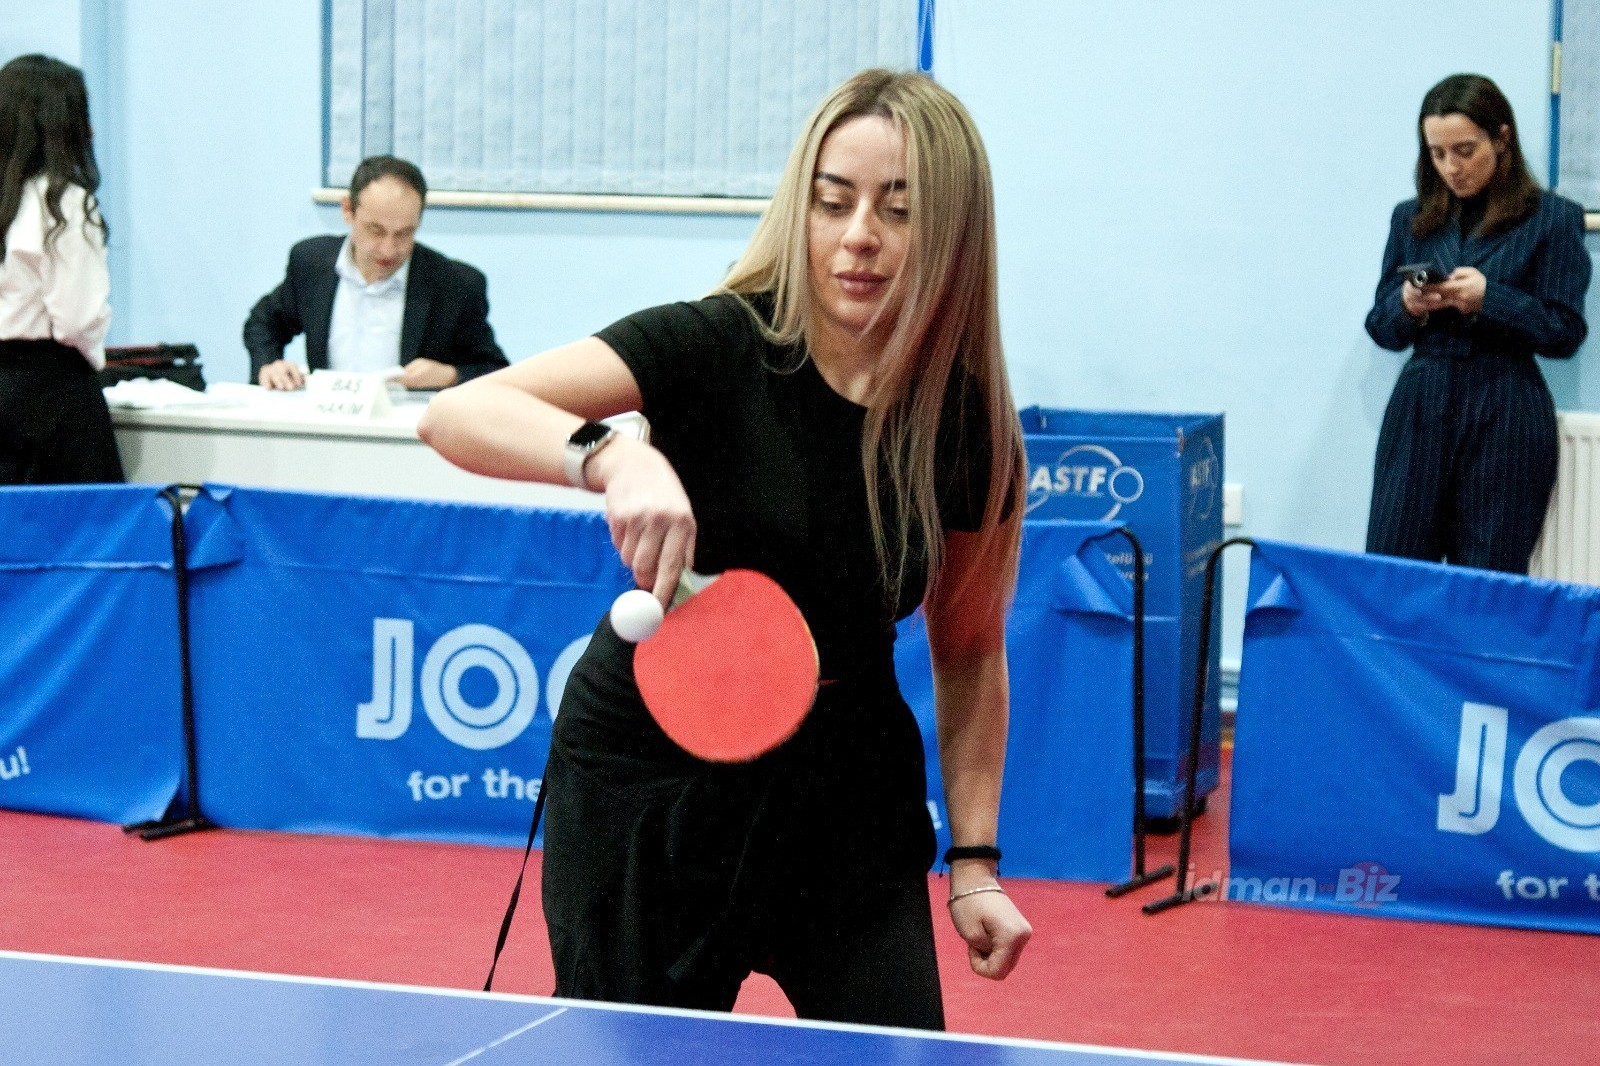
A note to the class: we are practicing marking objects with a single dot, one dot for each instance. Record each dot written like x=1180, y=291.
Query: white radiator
x=1569, y=547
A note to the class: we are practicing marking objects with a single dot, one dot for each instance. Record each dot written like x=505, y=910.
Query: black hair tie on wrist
x=973, y=851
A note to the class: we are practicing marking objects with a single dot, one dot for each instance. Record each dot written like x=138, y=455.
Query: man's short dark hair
x=386, y=166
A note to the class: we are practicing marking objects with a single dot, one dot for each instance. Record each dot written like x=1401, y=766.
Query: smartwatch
x=584, y=442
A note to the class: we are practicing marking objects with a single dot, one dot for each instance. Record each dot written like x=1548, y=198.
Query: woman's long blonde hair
x=945, y=340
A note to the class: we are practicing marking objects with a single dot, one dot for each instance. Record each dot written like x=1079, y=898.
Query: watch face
x=589, y=434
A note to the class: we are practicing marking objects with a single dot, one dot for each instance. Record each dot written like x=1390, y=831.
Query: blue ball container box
x=1161, y=474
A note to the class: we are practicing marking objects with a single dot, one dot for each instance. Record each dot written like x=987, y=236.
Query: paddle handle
x=690, y=583
x=637, y=614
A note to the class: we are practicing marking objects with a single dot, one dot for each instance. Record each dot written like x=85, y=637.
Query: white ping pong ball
x=636, y=615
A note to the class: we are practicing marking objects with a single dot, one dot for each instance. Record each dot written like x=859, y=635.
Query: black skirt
x=55, y=427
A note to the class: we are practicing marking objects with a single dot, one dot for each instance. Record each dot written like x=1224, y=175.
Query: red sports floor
x=1211, y=978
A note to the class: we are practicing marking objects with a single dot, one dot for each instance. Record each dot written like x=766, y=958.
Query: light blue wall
x=53, y=27
x=1192, y=197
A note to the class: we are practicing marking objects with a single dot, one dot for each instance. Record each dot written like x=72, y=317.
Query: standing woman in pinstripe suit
x=1467, y=452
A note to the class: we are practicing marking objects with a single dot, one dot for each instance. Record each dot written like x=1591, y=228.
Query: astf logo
x=1091, y=477
x=1540, y=783
x=476, y=725
x=1204, y=481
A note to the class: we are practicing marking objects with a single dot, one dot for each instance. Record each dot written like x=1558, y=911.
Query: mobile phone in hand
x=1420, y=274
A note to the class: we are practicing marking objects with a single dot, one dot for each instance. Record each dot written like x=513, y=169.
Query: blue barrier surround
x=89, y=726
x=386, y=667
x=1413, y=740
x=318, y=623
x=1417, y=740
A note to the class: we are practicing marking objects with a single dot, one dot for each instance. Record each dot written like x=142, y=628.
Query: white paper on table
x=148, y=394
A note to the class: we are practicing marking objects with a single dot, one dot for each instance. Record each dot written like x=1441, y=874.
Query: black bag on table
x=174, y=362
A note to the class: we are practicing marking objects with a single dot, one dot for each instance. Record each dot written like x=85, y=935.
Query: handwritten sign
x=345, y=394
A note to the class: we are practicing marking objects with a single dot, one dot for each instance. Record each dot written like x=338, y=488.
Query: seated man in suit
x=376, y=299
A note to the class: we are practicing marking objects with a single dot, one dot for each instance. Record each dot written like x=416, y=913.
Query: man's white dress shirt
x=364, y=334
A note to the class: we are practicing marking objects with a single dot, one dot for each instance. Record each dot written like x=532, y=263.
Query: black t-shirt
x=771, y=461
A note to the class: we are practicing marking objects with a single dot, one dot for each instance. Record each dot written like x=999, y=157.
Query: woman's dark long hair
x=1513, y=195
x=44, y=129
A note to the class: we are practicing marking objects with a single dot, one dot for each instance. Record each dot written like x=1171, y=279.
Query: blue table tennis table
x=65, y=1011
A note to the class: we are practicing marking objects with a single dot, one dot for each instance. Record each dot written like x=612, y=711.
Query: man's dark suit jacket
x=446, y=317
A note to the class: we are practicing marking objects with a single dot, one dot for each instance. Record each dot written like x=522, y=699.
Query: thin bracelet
x=974, y=892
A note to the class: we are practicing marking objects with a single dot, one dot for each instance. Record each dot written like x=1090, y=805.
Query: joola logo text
x=480, y=727
x=1536, y=778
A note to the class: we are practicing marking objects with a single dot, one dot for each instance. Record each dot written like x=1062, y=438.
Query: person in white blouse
x=54, y=284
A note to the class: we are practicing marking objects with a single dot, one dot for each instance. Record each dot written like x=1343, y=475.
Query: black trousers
x=865, y=957
x=667, y=881
x=1466, y=463
x=55, y=427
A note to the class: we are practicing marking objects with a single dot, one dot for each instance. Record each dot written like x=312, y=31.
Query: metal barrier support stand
x=1141, y=876
x=188, y=818
x=1184, y=893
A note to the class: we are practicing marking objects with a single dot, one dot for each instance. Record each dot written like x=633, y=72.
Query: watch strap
x=972, y=851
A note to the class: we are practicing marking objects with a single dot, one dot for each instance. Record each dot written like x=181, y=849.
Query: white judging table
x=247, y=435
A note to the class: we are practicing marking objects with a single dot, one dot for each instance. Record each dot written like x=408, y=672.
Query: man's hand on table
x=283, y=376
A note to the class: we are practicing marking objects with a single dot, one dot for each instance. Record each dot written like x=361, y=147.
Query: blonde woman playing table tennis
x=836, y=416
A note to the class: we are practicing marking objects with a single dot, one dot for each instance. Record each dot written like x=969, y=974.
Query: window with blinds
x=699, y=98
x=1577, y=114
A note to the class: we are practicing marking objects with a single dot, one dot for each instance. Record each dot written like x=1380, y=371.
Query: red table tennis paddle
x=732, y=670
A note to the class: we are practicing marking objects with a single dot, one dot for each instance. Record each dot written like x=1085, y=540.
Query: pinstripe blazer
x=1536, y=272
